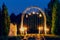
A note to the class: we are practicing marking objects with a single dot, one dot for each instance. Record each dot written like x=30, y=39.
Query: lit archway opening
x=24, y=12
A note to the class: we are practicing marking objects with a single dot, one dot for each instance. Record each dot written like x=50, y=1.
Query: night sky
x=18, y=6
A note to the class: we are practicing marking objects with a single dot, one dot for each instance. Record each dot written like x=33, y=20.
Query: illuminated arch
x=24, y=12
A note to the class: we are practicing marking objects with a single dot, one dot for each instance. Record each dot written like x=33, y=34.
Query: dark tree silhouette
x=57, y=25
x=13, y=18
x=18, y=21
x=5, y=21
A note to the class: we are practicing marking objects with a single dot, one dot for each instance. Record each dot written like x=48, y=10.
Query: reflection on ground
x=35, y=36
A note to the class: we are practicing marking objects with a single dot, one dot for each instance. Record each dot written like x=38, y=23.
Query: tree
x=51, y=13
x=57, y=22
x=13, y=18
x=5, y=21
x=0, y=21
x=54, y=17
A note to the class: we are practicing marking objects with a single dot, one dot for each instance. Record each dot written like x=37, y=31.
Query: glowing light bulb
x=40, y=15
x=33, y=12
x=26, y=16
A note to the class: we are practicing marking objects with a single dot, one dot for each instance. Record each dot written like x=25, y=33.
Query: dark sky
x=17, y=6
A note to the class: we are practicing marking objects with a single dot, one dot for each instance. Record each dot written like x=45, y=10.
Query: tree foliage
x=57, y=22
x=52, y=13
x=5, y=21
x=54, y=17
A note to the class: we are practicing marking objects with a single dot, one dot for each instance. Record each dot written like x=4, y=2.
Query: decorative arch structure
x=24, y=12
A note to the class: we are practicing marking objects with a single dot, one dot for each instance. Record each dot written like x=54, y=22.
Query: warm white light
x=22, y=29
x=29, y=14
x=33, y=12
x=25, y=28
x=26, y=16
x=40, y=15
x=47, y=29
x=13, y=30
x=40, y=28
